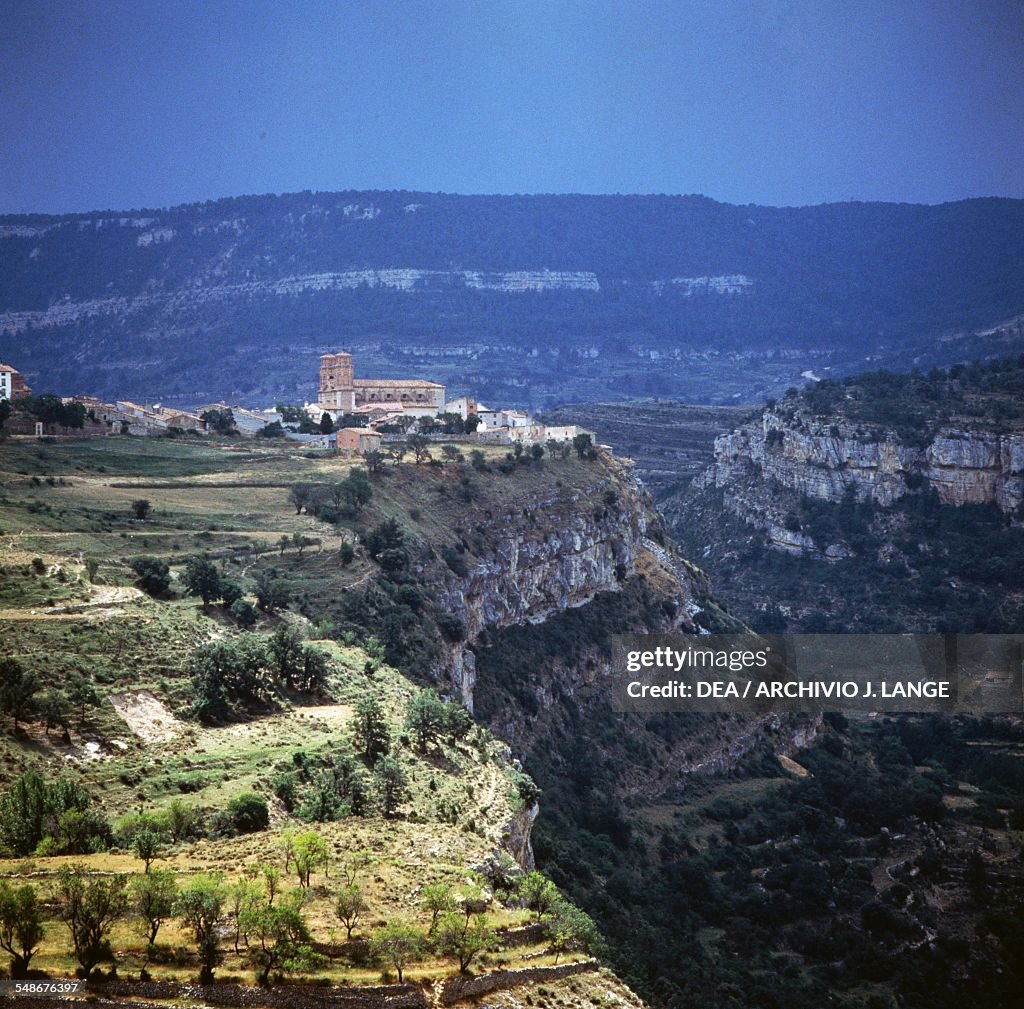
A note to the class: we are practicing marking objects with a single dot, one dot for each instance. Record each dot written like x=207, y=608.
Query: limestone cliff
x=558, y=552
x=826, y=458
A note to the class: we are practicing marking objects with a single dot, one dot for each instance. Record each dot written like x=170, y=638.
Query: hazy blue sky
x=111, y=104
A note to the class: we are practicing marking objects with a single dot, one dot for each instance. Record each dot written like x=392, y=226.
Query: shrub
x=249, y=813
x=244, y=613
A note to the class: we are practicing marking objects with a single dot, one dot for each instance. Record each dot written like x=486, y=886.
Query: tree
x=249, y=812
x=370, y=733
x=284, y=652
x=326, y=423
x=357, y=491
x=21, y=925
x=146, y=845
x=53, y=709
x=425, y=718
x=34, y=810
x=350, y=906
x=438, y=899
x=388, y=535
x=419, y=445
x=141, y=508
x=219, y=421
x=463, y=937
x=570, y=928
x=242, y=897
x=23, y=812
x=398, y=944
x=538, y=893
x=391, y=783
x=18, y=687
x=182, y=820
x=300, y=495
x=271, y=592
x=201, y=578
x=199, y=905
x=271, y=430
x=271, y=881
x=291, y=413
x=309, y=852
x=315, y=668
x=89, y=906
x=279, y=937
x=374, y=460
x=583, y=444
x=81, y=693
x=152, y=897
x=244, y=613
x=230, y=592
x=154, y=575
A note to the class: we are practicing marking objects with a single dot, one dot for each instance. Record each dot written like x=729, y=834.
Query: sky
x=117, y=104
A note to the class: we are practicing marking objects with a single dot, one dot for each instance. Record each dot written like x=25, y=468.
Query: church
x=342, y=392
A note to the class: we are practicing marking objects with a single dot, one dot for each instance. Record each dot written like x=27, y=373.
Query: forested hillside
x=592, y=297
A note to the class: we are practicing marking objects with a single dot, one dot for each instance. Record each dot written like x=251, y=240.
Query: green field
x=71, y=605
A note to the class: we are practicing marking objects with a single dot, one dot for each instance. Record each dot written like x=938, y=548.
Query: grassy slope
x=78, y=507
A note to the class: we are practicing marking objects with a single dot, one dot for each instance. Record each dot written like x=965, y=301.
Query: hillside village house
x=12, y=385
x=356, y=440
x=390, y=400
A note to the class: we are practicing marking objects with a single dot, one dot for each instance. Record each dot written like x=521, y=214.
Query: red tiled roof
x=395, y=383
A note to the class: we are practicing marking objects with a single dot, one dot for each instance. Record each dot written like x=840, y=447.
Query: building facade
x=356, y=440
x=12, y=385
x=341, y=392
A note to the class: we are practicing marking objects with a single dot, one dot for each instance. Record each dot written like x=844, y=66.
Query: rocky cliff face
x=826, y=459
x=552, y=579
x=557, y=553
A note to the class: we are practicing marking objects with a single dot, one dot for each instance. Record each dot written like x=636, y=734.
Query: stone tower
x=337, y=391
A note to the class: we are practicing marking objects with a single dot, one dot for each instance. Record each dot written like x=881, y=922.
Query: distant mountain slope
x=591, y=296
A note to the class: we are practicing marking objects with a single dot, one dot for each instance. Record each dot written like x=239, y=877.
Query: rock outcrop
x=823, y=458
x=559, y=553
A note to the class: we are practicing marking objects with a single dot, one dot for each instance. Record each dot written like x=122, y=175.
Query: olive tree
x=21, y=925
x=89, y=906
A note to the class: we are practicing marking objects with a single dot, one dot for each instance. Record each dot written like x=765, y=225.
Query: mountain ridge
x=595, y=296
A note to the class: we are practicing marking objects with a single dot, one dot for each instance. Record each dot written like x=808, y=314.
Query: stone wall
x=526, y=935
x=455, y=989
x=402, y=996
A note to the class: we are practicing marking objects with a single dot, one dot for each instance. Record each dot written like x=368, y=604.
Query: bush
x=244, y=613
x=249, y=813
x=271, y=592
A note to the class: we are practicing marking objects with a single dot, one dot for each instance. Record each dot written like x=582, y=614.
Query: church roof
x=395, y=383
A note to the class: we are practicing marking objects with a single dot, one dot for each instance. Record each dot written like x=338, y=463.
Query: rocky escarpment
x=554, y=553
x=825, y=459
